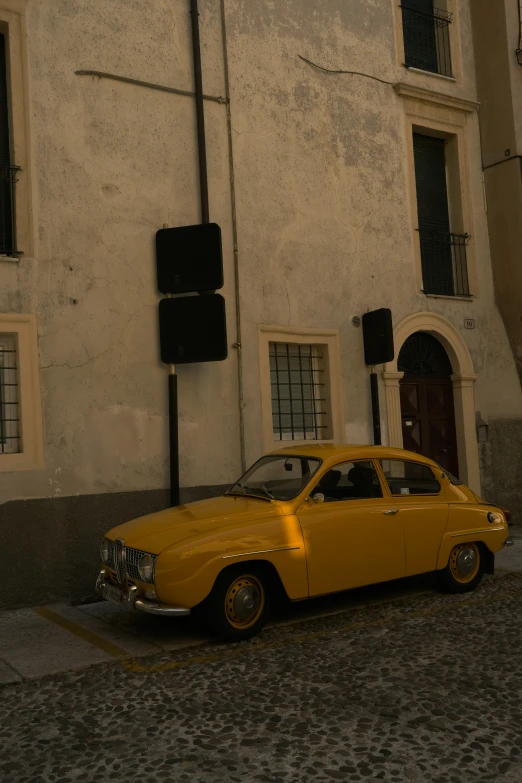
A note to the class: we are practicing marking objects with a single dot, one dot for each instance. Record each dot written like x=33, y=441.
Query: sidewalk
x=59, y=637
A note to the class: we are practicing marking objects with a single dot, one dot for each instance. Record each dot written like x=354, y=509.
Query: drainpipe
x=238, y=344
x=200, y=112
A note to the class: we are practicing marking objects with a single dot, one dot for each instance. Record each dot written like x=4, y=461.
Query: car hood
x=156, y=532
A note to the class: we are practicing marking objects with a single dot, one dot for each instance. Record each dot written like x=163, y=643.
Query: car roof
x=332, y=452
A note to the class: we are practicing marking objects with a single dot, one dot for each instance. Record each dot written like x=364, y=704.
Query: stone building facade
x=345, y=171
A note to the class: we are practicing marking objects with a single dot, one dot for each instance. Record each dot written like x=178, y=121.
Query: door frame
x=463, y=379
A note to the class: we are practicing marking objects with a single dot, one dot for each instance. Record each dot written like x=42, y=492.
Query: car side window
x=349, y=481
x=409, y=478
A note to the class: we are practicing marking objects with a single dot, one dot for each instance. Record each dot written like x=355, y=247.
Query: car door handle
x=391, y=511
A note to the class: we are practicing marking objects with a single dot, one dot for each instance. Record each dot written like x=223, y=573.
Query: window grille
x=444, y=263
x=299, y=391
x=426, y=37
x=9, y=397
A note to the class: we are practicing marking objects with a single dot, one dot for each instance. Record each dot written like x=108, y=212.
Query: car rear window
x=409, y=478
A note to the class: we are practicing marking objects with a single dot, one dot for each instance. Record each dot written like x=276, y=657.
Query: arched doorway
x=426, y=396
x=463, y=379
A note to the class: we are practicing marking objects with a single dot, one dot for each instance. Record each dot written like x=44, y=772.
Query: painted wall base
x=50, y=546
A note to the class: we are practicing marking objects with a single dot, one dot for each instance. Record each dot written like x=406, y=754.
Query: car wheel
x=237, y=607
x=464, y=570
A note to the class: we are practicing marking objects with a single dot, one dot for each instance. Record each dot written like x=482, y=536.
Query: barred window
x=9, y=398
x=301, y=407
x=427, y=36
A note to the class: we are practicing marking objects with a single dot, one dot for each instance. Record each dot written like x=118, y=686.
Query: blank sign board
x=189, y=258
x=193, y=329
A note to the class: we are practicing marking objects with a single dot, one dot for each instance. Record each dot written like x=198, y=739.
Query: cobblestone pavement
x=426, y=688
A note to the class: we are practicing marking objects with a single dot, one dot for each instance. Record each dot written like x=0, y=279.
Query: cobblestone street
x=423, y=688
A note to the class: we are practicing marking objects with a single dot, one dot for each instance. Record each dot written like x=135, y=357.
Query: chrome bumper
x=130, y=599
x=509, y=542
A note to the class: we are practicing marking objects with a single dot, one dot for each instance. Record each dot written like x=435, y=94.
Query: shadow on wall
x=50, y=546
x=501, y=467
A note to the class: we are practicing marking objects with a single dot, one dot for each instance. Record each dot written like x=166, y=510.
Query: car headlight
x=105, y=551
x=146, y=568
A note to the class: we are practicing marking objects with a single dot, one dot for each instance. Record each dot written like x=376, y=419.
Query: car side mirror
x=318, y=497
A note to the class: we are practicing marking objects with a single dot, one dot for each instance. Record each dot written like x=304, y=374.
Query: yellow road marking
x=81, y=633
x=137, y=668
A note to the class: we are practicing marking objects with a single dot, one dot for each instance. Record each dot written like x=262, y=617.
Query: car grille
x=124, y=560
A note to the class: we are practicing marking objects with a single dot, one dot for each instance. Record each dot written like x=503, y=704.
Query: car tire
x=237, y=607
x=464, y=570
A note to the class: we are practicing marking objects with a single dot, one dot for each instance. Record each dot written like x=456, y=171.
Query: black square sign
x=378, y=337
x=193, y=329
x=189, y=258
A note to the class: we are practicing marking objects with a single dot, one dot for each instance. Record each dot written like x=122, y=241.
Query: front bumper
x=130, y=598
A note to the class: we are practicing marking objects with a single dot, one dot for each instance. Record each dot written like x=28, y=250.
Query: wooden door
x=428, y=419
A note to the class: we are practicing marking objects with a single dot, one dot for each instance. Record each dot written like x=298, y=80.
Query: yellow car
x=303, y=522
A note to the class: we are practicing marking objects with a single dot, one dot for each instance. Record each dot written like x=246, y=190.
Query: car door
x=418, y=502
x=351, y=539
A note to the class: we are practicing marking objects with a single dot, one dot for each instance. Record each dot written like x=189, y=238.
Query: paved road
x=426, y=688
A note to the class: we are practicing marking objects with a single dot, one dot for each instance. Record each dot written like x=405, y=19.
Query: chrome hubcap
x=466, y=561
x=246, y=602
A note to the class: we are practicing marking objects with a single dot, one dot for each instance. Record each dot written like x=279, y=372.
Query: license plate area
x=113, y=594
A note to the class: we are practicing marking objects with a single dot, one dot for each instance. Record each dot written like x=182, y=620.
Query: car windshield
x=276, y=477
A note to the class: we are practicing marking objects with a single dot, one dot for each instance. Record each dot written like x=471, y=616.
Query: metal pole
x=173, y=437
x=200, y=113
x=376, y=414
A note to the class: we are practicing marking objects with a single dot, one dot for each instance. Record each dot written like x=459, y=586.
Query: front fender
x=186, y=572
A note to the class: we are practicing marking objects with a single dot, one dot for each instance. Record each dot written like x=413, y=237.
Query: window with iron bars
x=300, y=392
x=426, y=32
x=9, y=397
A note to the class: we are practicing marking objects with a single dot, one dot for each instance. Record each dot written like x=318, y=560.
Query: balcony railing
x=444, y=262
x=427, y=40
x=8, y=181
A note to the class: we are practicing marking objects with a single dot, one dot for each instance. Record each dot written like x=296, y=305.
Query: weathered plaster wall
x=499, y=80
x=114, y=162
x=325, y=229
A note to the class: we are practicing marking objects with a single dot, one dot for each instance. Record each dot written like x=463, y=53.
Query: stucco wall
x=323, y=215
x=499, y=80
x=112, y=163
x=324, y=222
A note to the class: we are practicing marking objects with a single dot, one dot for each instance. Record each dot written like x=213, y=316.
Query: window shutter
x=420, y=46
x=433, y=212
x=430, y=175
x=6, y=227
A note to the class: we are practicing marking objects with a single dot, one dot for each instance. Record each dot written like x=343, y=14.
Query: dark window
x=409, y=478
x=426, y=36
x=443, y=253
x=7, y=169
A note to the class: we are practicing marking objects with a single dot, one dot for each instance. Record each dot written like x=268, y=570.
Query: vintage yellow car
x=303, y=522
